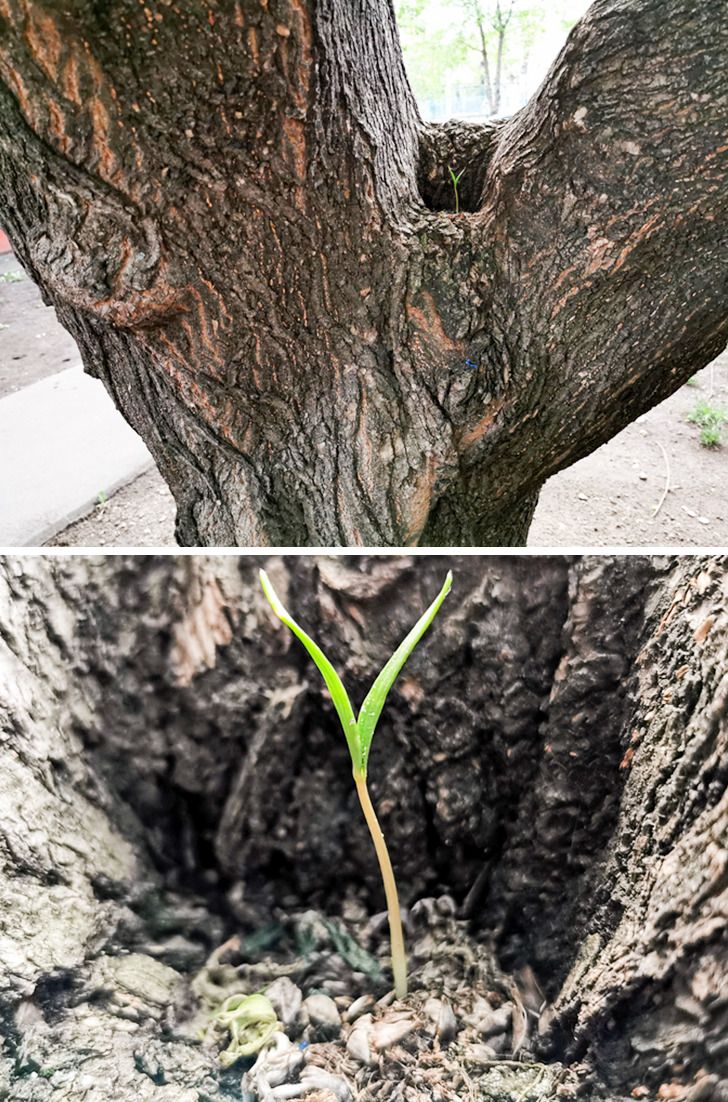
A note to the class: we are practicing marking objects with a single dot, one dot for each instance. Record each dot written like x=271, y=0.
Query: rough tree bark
x=555, y=756
x=239, y=215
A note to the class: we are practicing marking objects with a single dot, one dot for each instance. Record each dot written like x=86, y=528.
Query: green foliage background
x=441, y=40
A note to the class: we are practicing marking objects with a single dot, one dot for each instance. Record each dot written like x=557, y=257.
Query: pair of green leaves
x=359, y=730
x=455, y=178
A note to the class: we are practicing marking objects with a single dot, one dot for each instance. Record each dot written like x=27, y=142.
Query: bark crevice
x=464, y=147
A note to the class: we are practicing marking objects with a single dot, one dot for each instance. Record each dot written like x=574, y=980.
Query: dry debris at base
x=462, y=1033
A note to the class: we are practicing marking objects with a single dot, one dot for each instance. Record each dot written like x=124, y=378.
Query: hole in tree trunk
x=464, y=148
x=437, y=189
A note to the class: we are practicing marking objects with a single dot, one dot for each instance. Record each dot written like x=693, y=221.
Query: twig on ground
x=661, y=502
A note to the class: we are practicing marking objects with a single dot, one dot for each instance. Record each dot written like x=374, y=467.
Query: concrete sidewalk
x=62, y=443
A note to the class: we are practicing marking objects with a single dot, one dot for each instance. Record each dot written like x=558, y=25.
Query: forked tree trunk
x=239, y=215
x=554, y=756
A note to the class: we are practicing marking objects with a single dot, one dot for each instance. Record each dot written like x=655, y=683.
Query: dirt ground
x=139, y=515
x=610, y=496
x=464, y=1030
x=606, y=499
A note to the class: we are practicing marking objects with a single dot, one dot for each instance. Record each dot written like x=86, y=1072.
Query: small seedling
x=455, y=181
x=710, y=420
x=359, y=731
x=251, y=1021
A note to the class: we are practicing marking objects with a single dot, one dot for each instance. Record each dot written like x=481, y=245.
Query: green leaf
x=339, y=695
x=375, y=698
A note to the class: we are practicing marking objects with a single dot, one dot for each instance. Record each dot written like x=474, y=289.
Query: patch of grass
x=710, y=420
x=710, y=437
x=12, y=277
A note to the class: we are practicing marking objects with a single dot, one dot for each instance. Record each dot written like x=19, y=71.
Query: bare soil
x=610, y=497
x=139, y=515
x=465, y=1030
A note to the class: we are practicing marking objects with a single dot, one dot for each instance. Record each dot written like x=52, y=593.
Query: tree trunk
x=485, y=60
x=501, y=27
x=554, y=755
x=239, y=215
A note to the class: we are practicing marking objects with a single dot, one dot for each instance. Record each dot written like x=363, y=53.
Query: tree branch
x=606, y=199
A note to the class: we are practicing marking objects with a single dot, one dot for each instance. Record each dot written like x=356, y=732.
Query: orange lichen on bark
x=15, y=82
x=100, y=122
x=470, y=436
x=219, y=298
x=253, y=46
x=44, y=40
x=57, y=125
x=598, y=254
x=427, y=320
x=295, y=133
x=419, y=502
x=643, y=232
x=69, y=79
x=558, y=306
x=365, y=465
x=304, y=38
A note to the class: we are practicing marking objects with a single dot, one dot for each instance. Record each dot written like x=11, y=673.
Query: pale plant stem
x=399, y=957
x=666, y=457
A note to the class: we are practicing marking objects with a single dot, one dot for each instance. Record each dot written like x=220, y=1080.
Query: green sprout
x=455, y=181
x=711, y=421
x=251, y=1020
x=359, y=731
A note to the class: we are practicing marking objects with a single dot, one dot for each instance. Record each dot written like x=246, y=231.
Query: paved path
x=33, y=343
x=62, y=445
